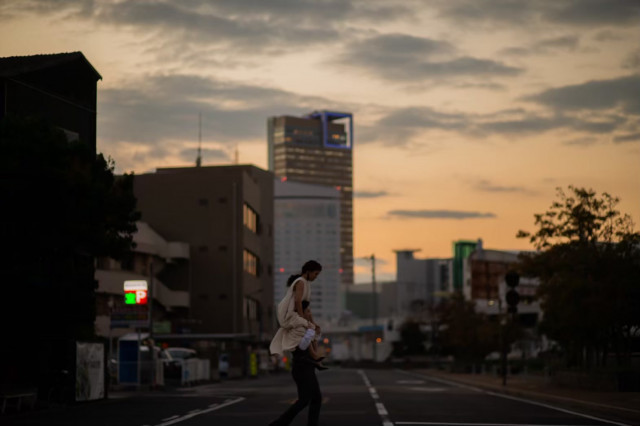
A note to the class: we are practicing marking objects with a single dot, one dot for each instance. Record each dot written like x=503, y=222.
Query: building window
x=250, y=262
x=250, y=218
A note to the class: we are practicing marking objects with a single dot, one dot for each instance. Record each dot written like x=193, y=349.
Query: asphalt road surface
x=350, y=397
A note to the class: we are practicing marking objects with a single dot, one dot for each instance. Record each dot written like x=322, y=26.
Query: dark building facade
x=318, y=150
x=225, y=214
x=62, y=88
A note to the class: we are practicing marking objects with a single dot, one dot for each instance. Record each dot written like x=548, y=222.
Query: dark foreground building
x=48, y=296
x=61, y=88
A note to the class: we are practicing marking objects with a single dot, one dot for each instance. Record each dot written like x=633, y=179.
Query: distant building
x=225, y=214
x=461, y=250
x=307, y=226
x=62, y=88
x=168, y=261
x=421, y=283
x=484, y=276
x=317, y=149
x=360, y=298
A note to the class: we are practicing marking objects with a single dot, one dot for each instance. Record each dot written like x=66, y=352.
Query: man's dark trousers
x=304, y=374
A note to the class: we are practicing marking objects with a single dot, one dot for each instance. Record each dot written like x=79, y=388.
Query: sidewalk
x=617, y=406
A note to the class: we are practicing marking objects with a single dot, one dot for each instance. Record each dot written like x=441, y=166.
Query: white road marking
x=170, y=418
x=475, y=424
x=426, y=389
x=208, y=410
x=382, y=411
x=500, y=395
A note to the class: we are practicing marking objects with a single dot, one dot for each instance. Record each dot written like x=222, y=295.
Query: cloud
x=585, y=141
x=233, y=26
x=440, y=214
x=524, y=14
x=633, y=137
x=365, y=261
x=486, y=186
x=621, y=92
x=403, y=58
x=207, y=155
x=608, y=35
x=550, y=45
x=632, y=61
x=370, y=194
x=162, y=107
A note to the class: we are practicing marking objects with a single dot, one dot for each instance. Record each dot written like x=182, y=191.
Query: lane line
x=476, y=424
x=501, y=395
x=170, y=418
x=382, y=411
x=208, y=410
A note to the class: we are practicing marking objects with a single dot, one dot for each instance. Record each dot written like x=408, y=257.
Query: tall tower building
x=307, y=226
x=317, y=149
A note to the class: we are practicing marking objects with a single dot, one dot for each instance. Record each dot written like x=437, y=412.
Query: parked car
x=181, y=353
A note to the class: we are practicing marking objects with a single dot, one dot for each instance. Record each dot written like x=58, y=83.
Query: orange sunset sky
x=468, y=113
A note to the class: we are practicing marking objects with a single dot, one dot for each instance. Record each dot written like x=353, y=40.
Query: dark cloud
x=402, y=58
x=440, y=214
x=585, y=141
x=545, y=46
x=517, y=13
x=608, y=35
x=248, y=26
x=632, y=61
x=425, y=118
x=633, y=137
x=619, y=92
x=166, y=107
x=486, y=186
x=207, y=155
x=370, y=194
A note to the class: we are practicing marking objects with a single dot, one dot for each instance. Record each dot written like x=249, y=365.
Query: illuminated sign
x=135, y=292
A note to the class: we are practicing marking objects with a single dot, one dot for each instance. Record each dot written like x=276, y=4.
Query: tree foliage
x=61, y=207
x=465, y=334
x=588, y=264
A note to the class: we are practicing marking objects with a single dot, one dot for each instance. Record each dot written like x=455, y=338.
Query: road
x=350, y=397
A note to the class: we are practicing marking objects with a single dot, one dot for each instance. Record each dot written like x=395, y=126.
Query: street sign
x=130, y=316
x=135, y=292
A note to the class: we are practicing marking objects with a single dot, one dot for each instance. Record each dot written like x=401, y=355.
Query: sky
x=468, y=114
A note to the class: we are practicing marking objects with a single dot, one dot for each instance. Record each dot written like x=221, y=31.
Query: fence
x=195, y=370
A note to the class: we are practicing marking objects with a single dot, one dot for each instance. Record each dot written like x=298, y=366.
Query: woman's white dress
x=292, y=326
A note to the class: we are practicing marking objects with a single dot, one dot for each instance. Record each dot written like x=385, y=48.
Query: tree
x=62, y=207
x=588, y=263
x=412, y=338
x=465, y=334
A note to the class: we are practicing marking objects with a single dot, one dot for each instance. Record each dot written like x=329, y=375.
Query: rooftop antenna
x=199, y=157
x=237, y=155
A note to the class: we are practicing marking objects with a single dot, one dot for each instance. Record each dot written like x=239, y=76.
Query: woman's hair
x=305, y=304
x=309, y=266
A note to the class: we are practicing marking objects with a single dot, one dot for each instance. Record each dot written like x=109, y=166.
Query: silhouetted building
x=62, y=88
x=225, y=214
x=318, y=150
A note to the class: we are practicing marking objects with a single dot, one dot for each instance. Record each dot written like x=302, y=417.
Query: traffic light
x=512, y=278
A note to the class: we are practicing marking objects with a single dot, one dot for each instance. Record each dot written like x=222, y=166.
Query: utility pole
x=375, y=305
x=152, y=348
